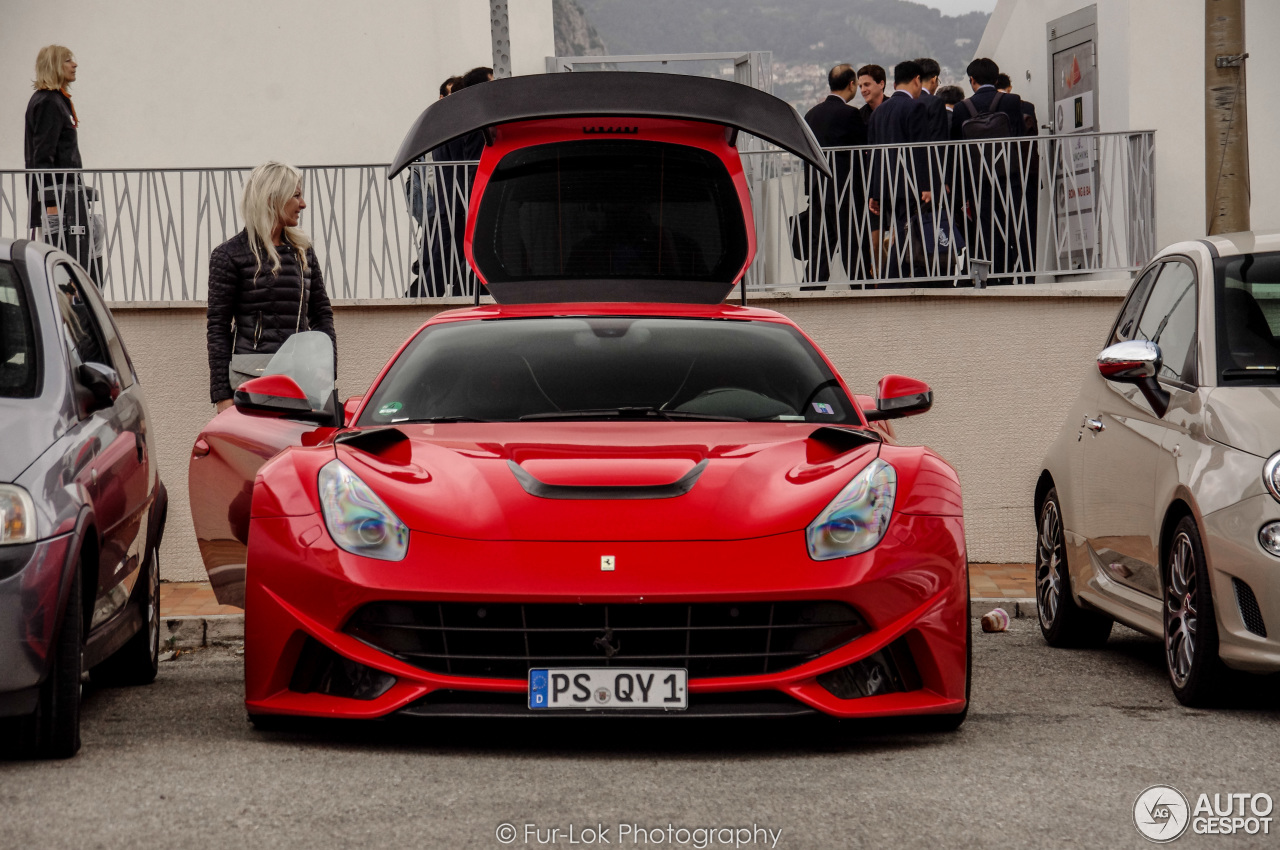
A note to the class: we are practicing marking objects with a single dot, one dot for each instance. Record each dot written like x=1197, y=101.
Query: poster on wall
x=1074, y=112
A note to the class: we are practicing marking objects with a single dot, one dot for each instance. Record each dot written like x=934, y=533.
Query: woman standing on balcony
x=51, y=142
x=264, y=283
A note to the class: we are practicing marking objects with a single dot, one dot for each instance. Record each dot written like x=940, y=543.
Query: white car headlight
x=858, y=517
x=358, y=521
x=17, y=515
x=1271, y=475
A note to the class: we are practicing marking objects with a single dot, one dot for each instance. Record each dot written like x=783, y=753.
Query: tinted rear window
x=18, y=375
x=599, y=210
x=1248, y=318
x=503, y=370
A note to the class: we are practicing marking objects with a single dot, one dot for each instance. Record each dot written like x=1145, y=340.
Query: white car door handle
x=1094, y=424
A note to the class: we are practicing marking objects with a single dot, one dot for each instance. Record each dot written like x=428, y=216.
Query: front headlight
x=858, y=517
x=1271, y=475
x=17, y=515
x=358, y=521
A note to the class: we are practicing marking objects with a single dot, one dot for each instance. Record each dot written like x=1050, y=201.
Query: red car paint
x=476, y=536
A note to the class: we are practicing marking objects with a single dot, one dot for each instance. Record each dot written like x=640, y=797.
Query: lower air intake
x=891, y=670
x=320, y=670
x=1249, y=610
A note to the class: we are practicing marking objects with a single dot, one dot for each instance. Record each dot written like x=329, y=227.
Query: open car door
x=292, y=401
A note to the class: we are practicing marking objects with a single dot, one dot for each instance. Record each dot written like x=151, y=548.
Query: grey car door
x=1124, y=439
x=116, y=476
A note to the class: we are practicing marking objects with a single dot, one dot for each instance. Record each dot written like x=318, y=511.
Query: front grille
x=1249, y=611
x=505, y=640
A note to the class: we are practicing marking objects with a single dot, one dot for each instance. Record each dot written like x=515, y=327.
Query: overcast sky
x=959, y=7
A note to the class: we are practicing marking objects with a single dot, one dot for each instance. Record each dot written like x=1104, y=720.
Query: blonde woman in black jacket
x=264, y=283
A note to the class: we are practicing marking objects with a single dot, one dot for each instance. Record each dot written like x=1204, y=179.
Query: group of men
x=883, y=209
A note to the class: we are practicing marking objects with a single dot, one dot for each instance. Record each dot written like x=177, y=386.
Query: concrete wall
x=1004, y=364
x=166, y=84
x=1151, y=77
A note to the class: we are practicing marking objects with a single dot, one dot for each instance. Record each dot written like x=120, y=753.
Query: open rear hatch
x=610, y=186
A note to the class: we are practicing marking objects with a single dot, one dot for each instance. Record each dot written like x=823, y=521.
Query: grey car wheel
x=1062, y=622
x=1190, y=627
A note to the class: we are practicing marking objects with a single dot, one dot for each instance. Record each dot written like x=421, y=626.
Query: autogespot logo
x=1161, y=813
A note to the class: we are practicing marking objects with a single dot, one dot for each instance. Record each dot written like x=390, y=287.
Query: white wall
x=1262, y=34
x=176, y=83
x=1151, y=77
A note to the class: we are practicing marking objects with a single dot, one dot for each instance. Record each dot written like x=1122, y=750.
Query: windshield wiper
x=1252, y=372
x=629, y=413
x=433, y=419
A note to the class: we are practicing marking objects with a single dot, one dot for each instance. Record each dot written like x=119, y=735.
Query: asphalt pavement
x=1057, y=747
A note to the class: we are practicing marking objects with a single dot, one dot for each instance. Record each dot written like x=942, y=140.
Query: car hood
x=1245, y=418
x=609, y=481
x=28, y=432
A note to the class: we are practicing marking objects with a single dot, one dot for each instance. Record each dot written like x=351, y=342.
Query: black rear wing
x=631, y=94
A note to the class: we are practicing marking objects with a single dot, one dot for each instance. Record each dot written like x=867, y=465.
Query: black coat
x=836, y=124
x=1010, y=104
x=936, y=117
x=267, y=309
x=50, y=141
x=900, y=120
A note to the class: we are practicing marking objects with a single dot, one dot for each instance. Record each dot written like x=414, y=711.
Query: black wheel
x=1190, y=626
x=1062, y=622
x=137, y=661
x=53, y=730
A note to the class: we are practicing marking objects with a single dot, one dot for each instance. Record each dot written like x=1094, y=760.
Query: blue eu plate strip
x=538, y=688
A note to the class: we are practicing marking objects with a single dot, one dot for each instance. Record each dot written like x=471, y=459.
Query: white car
x=1159, y=502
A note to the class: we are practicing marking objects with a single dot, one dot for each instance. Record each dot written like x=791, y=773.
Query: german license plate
x=654, y=688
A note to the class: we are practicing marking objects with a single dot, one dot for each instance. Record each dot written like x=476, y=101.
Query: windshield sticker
x=390, y=408
x=823, y=408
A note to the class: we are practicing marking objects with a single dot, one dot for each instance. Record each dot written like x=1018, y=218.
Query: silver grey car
x=1159, y=501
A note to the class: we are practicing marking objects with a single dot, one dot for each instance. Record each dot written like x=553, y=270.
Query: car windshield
x=18, y=375
x=598, y=210
x=609, y=368
x=1248, y=331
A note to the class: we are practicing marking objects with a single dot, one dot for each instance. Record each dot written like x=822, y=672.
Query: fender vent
x=1249, y=611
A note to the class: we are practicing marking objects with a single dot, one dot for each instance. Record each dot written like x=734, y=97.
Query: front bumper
x=1235, y=555
x=31, y=599
x=911, y=590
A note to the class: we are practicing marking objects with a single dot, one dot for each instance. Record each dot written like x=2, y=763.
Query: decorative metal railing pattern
x=1052, y=205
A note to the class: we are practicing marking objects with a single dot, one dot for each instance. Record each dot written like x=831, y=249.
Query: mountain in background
x=806, y=37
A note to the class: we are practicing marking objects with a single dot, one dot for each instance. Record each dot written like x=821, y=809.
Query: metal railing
x=1052, y=205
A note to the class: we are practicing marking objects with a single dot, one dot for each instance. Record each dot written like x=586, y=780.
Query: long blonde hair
x=49, y=67
x=268, y=189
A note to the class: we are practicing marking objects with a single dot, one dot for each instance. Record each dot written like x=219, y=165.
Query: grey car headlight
x=358, y=521
x=857, y=517
x=17, y=515
x=1271, y=475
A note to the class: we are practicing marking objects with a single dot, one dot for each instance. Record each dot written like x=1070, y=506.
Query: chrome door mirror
x=1136, y=361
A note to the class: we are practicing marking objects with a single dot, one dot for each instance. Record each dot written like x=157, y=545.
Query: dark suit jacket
x=899, y=120
x=1010, y=104
x=1029, y=111
x=837, y=124
x=937, y=118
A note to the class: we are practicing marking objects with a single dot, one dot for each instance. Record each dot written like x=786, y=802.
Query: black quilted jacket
x=266, y=310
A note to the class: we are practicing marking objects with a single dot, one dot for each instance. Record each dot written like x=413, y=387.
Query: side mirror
x=349, y=408
x=279, y=396
x=1136, y=361
x=900, y=396
x=102, y=382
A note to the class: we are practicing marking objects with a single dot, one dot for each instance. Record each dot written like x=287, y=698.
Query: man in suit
x=833, y=203
x=871, y=80
x=936, y=116
x=993, y=198
x=900, y=181
x=1030, y=174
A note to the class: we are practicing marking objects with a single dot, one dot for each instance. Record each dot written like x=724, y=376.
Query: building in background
x=237, y=82
x=1139, y=65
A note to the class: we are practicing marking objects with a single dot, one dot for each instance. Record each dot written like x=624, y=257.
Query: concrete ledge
x=197, y=632
x=1017, y=609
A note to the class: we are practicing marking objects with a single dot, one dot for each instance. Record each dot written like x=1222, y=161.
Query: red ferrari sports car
x=609, y=493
